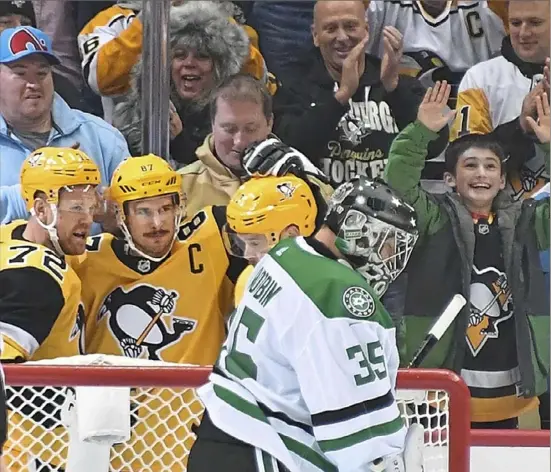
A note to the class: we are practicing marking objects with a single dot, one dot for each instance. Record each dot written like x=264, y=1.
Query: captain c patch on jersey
x=142, y=320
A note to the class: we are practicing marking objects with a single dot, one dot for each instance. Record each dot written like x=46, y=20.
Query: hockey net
x=163, y=406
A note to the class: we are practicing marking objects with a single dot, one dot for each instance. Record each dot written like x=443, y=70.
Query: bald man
x=344, y=107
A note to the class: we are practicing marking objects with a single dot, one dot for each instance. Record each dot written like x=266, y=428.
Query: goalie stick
x=438, y=329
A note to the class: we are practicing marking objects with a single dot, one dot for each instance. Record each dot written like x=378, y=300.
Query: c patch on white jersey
x=359, y=302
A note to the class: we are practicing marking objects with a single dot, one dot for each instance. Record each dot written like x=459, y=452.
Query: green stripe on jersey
x=239, y=403
x=308, y=454
x=384, y=429
x=336, y=290
x=253, y=411
x=267, y=461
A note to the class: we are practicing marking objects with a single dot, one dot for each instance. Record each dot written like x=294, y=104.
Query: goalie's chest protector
x=173, y=312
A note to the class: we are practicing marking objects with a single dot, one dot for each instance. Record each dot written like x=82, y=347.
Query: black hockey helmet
x=376, y=230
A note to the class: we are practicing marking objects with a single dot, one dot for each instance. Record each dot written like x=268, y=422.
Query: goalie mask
x=376, y=230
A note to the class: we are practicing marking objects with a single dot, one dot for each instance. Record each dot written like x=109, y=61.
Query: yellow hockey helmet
x=50, y=169
x=265, y=206
x=143, y=177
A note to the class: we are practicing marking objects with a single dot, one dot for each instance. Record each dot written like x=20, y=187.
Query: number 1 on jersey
x=464, y=112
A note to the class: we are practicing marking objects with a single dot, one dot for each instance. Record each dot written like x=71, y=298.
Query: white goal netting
x=161, y=406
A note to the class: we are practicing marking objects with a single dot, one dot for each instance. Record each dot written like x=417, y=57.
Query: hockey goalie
x=306, y=378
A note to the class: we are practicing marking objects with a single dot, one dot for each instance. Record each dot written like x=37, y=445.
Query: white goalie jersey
x=308, y=370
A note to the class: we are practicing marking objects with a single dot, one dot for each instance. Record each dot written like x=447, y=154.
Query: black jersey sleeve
x=30, y=303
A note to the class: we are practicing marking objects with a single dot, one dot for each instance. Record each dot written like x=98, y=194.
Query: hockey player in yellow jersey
x=40, y=312
x=263, y=211
x=161, y=292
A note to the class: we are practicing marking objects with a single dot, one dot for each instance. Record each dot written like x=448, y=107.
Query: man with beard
x=161, y=292
x=40, y=312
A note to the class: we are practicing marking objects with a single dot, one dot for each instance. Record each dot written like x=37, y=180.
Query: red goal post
x=438, y=396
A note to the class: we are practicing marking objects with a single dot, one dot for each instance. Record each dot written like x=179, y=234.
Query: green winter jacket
x=443, y=258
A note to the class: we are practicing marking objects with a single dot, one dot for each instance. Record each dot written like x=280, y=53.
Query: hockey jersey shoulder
x=204, y=231
x=487, y=97
x=39, y=306
x=110, y=44
x=95, y=247
x=19, y=253
x=336, y=290
x=486, y=74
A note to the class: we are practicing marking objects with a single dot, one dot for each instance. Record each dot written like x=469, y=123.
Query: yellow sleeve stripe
x=12, y=350
x=242, y=283
x=473, y=114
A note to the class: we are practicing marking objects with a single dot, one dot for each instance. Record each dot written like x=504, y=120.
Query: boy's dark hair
x=242, y=87
x=481, y=141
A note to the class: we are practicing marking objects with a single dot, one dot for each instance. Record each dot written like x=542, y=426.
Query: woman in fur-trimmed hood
x=206, y=46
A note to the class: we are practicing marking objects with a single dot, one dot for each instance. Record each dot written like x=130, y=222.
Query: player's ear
x=42, y=208
x=449, y=179
x=291, y=231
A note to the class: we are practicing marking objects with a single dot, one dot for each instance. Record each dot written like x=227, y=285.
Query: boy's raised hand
x=433, y=111
x=541, y=127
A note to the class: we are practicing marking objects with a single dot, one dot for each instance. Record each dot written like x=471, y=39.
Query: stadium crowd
x=339, y=85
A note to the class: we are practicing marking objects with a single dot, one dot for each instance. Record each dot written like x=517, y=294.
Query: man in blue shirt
x=33, y=115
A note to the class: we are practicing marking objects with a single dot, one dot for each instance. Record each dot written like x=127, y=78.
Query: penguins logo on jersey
x=429, y=68
x=142, y=320
x=353, y=127
x=530, y=178
x=78, y=330
x=491, y=304
x=364, y=117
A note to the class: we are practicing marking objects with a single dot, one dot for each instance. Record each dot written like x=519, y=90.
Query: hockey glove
x=272, y=157
x=410, y=459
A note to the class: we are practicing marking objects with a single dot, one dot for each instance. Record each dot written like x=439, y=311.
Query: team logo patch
x=143, y=320
x=24, y=40
x=359, y=302
x=286, y=189
x=34, y=160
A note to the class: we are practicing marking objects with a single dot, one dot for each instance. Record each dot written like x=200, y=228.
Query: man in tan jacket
x=241, y=114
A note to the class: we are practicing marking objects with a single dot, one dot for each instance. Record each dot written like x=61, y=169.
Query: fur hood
x=204, y=26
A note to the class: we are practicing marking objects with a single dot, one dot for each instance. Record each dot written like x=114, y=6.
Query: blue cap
x=20, y=42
